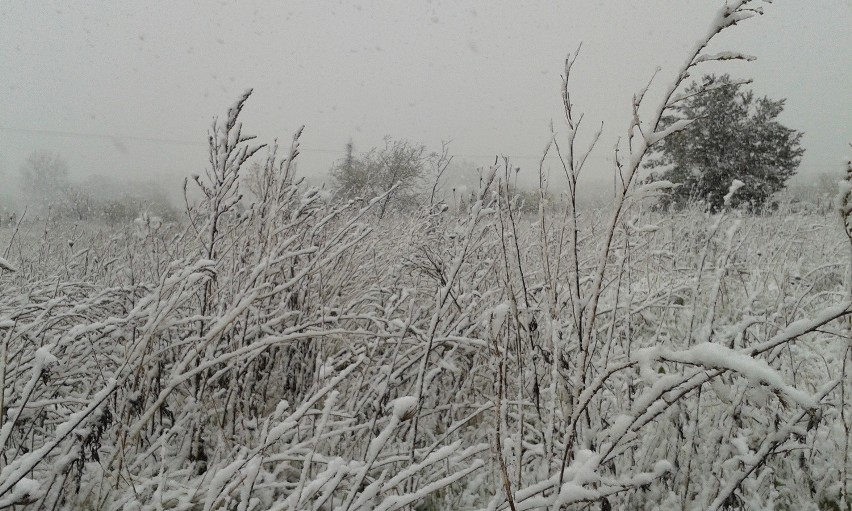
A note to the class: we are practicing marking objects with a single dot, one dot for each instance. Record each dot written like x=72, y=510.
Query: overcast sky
x=129, y=88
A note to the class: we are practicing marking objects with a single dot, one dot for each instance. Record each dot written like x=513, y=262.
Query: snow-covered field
x=291, y=352
x=313, y=357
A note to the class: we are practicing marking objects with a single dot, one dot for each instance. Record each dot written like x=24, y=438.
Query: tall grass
x=303, y=354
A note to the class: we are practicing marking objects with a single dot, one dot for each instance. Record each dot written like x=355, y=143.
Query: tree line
x=733, y=136
x=46, y=186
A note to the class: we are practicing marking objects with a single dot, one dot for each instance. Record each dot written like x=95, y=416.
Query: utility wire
x=171, y=141
x=120, y=138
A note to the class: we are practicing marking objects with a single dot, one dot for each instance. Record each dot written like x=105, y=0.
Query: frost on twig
x=6, y=265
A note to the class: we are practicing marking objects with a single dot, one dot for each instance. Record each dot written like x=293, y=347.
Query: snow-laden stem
x=588, y=303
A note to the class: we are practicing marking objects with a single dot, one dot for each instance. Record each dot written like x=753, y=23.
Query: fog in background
x=128, y=89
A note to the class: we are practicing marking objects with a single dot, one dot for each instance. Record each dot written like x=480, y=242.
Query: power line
x=172, y=141
x=76, y=134
x=119, y=138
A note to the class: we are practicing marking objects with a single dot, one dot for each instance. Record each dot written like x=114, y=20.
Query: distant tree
x=399, y=162
x=826, y=184
x=529, y=200
x=350, y=176
x=80, y=202
x=44, y=178
x=118, y=201
x=119, y=211
x=735, y=136
x=257, y=181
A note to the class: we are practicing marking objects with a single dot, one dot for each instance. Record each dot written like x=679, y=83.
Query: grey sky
x=482, y=73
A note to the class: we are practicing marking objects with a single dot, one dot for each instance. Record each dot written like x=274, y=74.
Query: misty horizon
x=130, y=92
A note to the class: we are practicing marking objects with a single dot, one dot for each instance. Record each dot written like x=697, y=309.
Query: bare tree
x=397, y=170
x=44, y=178
x=80, y=202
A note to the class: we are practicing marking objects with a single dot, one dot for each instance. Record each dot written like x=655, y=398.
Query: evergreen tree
x=735, y=136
